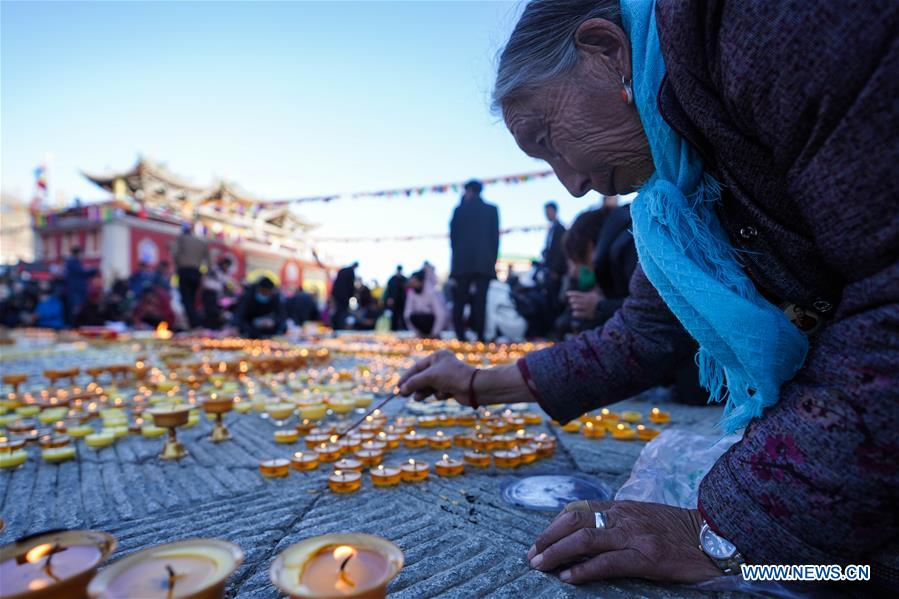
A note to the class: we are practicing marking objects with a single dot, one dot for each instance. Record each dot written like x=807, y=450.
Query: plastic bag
x=672, y=465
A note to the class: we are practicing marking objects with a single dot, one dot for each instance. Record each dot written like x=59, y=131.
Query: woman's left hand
x=640, y=540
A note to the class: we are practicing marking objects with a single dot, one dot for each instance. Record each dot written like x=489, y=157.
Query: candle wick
x=48, y=565
x=343, y=577
x=343, y=565
x=171, y=581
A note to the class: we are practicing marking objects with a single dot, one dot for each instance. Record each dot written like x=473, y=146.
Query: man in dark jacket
x=554, y=255
x=190, y=253
x=260, y=312
x=474, y=239
x=76, y=283
x=343, y=289
x=395, y=299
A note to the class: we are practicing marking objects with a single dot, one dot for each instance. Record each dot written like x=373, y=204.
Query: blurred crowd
x=579, y=282
x=194, y=293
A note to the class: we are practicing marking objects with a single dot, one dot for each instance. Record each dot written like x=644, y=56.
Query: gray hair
x=542, y=47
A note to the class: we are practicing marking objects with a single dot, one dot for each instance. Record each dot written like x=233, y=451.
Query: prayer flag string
x=408, y=192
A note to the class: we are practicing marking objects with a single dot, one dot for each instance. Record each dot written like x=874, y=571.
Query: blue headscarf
x=747, y=347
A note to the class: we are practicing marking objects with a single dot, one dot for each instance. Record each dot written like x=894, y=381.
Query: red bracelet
x=471, y=395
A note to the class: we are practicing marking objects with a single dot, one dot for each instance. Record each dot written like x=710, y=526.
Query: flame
x=333, y=438
x=162, y=331
x=412, y=461
x=445, y=457
x=35, y=554
x=344, y=551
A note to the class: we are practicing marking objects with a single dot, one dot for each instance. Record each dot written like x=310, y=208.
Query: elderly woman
x=763, y=138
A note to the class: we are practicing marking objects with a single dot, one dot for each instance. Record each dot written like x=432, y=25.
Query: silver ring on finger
x=600, y=519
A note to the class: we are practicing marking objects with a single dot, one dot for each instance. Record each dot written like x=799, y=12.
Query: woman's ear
x=604, y=40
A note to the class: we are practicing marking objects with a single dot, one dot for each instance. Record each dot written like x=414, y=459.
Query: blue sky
x=286, y=99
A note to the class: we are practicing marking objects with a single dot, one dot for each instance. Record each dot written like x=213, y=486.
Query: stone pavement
x=459, y=537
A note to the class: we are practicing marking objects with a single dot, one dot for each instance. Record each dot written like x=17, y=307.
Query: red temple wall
x=56, y=246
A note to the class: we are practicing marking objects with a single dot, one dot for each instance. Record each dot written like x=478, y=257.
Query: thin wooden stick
x=369, y=413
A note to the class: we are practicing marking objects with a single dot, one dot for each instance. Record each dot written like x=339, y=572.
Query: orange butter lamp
x=53, y=565
x=195, y=568
x=347, y=565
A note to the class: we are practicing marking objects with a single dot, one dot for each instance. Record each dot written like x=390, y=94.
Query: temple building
x=145, y=210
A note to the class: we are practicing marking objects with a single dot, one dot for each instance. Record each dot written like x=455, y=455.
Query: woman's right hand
x=440, y=374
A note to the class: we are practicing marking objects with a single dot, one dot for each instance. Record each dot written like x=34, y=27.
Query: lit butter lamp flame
x=344, y=554
x=36, y=554
x=162, y=331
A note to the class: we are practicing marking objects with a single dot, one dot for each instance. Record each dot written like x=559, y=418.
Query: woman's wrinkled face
x=579, y=124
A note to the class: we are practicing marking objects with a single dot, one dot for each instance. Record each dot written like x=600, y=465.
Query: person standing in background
x=554, y=255
x=190, y=253
x=77, y=278
x=341, y=292
x=474, y=240
x=395, y=299
x=215, y=284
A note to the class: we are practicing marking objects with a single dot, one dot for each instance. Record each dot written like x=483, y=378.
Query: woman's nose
x=576, y=183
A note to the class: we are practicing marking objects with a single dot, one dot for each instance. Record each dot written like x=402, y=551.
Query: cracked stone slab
x=460, y=539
